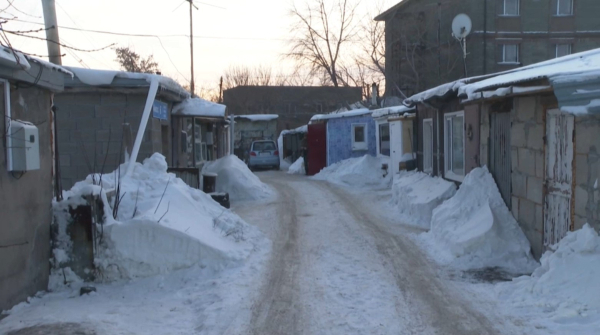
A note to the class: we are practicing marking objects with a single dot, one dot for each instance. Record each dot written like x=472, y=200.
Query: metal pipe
x=7, y=124
x=144, y=122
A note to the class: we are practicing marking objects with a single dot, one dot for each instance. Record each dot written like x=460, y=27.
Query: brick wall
x=528, y=161
x=339, y=138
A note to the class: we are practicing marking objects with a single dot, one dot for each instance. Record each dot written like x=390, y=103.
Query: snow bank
x=235, y=178
x=162, y=224
x=362, y=172
x=565, y=287
x=297, y=167
x=476, y=230
x=415, y=195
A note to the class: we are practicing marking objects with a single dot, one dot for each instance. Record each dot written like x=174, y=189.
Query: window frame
x=503, y=60
x=557, y=9
x=448, y=173
x=428, y=169
x=511, y=15
x=359, y=146
x=557, y=45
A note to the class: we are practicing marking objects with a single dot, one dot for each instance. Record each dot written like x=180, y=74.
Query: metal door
x=500, y=158
x=317, y=147
x=559, y=176
x=396, y=145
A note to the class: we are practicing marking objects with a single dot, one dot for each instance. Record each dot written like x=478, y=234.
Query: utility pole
x=51, y=31
x=221, y=90
x=192, y=6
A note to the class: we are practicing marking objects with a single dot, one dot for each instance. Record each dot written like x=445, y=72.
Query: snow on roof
x=574, y=66
x=50, y=66
x=258, y=117
x=199, y=107
x=95, y=77
x=382, y=112
x=301, y=129
x=18, y=60
x=350, y=113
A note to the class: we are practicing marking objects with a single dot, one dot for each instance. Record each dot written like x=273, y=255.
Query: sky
x=227, y=32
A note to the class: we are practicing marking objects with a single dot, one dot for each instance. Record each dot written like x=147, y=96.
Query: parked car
x=263, y=154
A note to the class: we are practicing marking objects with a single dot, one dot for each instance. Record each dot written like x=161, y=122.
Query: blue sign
x=159, y=110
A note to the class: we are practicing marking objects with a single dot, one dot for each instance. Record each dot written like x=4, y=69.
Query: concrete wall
x=25, y=206
x=90, y=128
x=587, y=171
x=339, y=138
x=528, y=162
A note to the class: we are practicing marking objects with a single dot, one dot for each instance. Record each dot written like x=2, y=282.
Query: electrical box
x=25, y=146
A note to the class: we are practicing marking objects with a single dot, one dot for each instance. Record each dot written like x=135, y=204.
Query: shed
x=395, y=135
x=291, y=142
x=250, y=128
x=27, y=173
x=100, y=114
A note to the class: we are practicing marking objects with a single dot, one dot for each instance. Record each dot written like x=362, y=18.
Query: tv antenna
x=461, y=27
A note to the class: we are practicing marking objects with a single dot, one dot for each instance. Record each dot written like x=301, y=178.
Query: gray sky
x=230, y=32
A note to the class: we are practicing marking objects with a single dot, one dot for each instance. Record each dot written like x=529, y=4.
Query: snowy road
x=337, y=267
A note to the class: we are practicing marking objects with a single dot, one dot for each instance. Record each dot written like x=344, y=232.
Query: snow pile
x=565, y=287
x=415, y=195
x=477, y=230
x=297, y=167
x=362, y=172
x=162, y=224
x=234, y=177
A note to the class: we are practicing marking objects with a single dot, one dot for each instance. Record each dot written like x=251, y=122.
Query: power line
x=151, y=35
x=63, y=45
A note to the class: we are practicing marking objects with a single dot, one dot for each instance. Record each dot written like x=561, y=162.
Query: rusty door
x=317, y=147
x=559, y=176
x=500, y=158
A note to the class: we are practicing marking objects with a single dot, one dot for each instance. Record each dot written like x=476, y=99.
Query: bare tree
x=132, y=62
x=236, y=75
x=262, y=75
x=324, y=32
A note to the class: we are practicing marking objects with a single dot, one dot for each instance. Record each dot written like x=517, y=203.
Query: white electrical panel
x=25, y=146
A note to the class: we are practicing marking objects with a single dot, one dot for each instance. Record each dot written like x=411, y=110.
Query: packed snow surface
x=361, y=172
x=199, y=107
x=564, y=289
x=162, y=224
x=475, y=229
x=416, y=194
x=297, y=167
x=234, y=177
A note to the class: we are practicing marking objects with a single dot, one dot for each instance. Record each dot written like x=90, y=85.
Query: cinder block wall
x=339, y=138
x=527, y=156
x=25, y=206
x=587, y=171
x=90, y=126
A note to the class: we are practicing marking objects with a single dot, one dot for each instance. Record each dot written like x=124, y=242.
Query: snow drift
x=415, y=195
x=234, y=177
x=162, y=224
x=565, y=287
x=476, y=229
x=297, y=167
x=362, y=172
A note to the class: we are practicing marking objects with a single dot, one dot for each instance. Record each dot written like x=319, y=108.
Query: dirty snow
x=297, y=167
x=563, y=293
x=199, y=107
x=474, y=229
x=416, y=194
x=162, y=225
x=235, y=178
x=361, y=172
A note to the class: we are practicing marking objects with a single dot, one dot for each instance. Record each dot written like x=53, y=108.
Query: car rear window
x=264, y=146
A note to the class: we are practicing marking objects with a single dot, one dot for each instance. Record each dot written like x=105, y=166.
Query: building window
x=564, y=7
x=454, y=148
x=563, y=50
x=510, y=53
x=359, y=136
x=428, y=146
x=384, y=139
x=511, y=7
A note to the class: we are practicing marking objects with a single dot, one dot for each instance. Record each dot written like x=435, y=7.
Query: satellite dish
x=461, y=26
